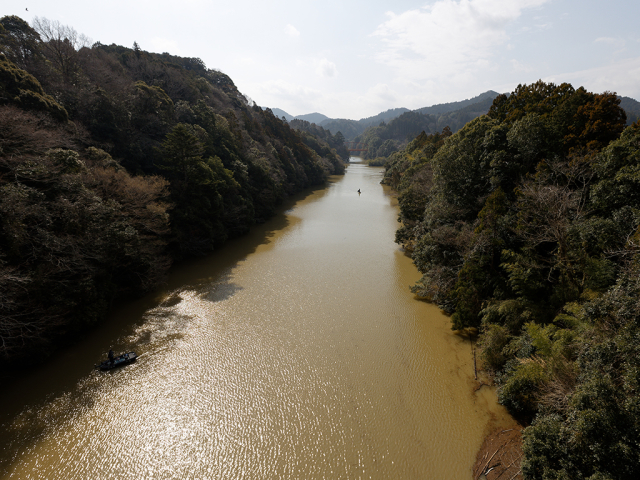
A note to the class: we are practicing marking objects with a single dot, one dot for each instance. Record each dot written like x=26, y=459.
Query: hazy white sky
x=354, y=59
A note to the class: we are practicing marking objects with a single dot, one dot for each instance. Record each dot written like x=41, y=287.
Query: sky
x=355, y=59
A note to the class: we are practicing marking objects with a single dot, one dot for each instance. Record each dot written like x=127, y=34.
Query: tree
x=618, y=174
x=461, y=176
x=19, y=42
x=597, y=123
x=61, y=44
x=182, y=153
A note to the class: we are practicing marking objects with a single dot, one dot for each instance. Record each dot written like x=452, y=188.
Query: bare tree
x=550, y=205
x=61, y=44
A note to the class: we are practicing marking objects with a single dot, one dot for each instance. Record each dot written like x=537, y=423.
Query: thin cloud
x=622, y=76
x=326, y=68
x=286, y=95
x=609, y=40
x=381, y=93
x=616, y=43
x=521, y=67
x=449, y=37
x=291, y=31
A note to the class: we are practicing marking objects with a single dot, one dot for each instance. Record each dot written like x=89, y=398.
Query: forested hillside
x=485, y=98
x=387, y=138
x=320, y=140
x=631, y=108
x=113, y=163
x=525, y=225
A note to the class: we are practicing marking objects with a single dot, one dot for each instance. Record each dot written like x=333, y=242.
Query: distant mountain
x=315, y=117
x=281, y=113
x=454, y=115
x=383, y=117
x=450, y=107
x=352, y=128
x=458, y=118
x=631, y=108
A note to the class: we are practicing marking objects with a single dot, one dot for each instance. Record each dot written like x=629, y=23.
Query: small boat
x=119, y=361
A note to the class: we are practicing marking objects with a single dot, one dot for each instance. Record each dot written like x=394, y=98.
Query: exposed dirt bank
x=500, y=455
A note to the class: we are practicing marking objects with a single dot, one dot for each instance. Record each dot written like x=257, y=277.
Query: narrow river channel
x=297, y=351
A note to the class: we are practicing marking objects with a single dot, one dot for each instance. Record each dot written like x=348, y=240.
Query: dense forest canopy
x=113, y=163
x=318, y=139
x=525, y=224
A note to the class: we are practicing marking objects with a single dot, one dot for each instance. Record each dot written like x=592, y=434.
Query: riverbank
x=500, y=455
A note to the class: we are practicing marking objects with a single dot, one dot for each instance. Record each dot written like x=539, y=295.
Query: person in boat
x=111, y=357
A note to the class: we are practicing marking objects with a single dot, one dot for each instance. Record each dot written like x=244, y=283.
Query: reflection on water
x=296, y=352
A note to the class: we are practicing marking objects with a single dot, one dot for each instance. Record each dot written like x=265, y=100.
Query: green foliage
x=544, y=447
x=67, y=160
x=152, y=99
x=18, y=41
x=540, y=98
x=576, y=120
x=408, y=163
x=182, y=153
x=208, y=204
x=469, y=292
x=596, y=123
x=377, y=162
x=520, y=389
x=599, y=428
x=526, y=223
x=460, y=175
x=324, y=143
x=492, y=345
x=511, y=313
x=18, y=87
x=618, y=174
x=385, y=139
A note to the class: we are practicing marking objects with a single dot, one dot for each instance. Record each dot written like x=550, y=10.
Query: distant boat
x=119, y=361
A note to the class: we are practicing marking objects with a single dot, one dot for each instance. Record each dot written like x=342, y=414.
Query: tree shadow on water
x=211, y=275
x=219, y=291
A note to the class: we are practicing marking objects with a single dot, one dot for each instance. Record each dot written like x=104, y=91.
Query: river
x=296, y=351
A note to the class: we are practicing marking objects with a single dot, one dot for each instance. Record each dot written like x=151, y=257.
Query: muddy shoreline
x=500, y=455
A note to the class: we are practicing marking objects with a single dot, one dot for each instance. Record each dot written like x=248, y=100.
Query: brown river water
x=296, y=351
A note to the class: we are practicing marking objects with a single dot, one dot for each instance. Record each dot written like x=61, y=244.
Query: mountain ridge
x=452, y=114
x=352, y=128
